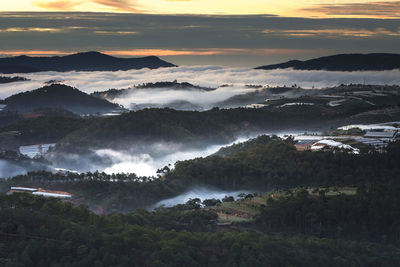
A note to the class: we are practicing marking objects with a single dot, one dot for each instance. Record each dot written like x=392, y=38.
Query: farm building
x=39, y=192
x=22, y=189
x=384, y=134
x=303, y=145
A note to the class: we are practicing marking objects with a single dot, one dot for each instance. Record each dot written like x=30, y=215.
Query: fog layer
x=207, y=76
x=159, y=155
x=199, y=192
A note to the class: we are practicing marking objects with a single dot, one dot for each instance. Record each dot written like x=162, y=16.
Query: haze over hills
x=87, y=61
x=59, y=96
x=343, y=62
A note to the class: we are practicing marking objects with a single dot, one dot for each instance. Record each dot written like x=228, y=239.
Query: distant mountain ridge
x=343, y=62
x=87, y=61
x=59, y=96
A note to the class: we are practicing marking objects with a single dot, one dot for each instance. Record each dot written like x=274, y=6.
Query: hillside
x=343, y=62
x=49, y=232
x=88, y=61
x=58, y=96
x=117, y=93
x=330, y=108
x=188, y=127
x=342, y=220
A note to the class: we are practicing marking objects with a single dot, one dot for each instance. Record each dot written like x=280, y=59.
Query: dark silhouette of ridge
x=87, y=61
x=59, y=96
x=343, y=62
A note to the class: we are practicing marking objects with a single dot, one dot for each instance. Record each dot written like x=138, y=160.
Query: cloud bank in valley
x=207, y=76
x=199, y=192
x=145, y=164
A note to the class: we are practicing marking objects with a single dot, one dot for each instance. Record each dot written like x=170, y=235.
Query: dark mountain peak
x=83, y=61
x=343, y=62
x=89, y=55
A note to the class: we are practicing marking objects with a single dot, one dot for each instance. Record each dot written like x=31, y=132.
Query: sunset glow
x=301, y=8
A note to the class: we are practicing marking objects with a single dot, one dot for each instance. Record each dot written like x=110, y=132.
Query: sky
x=190, y=32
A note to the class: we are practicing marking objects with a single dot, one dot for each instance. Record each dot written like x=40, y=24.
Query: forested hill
x=174, y=85
x=191, y=127
x=343, y=62
x=294, y=227
x=47, y=232
x=88, y=61
x=263, y=164
x=58, y=96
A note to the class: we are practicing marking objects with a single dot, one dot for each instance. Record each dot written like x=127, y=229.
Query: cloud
x=334, y=33
x=162, y=154
x=165, y=96
x=116, y=32
x=31, y=29
x=370, y=9
x=143, y=159
x=63, y=5
x=195, y=39
x=207, y=52
x=8, y=169
x=34, y=53
x=207, y=76
x=199, y=192
x=119, y=5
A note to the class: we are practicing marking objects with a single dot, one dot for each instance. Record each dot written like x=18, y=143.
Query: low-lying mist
x=143, y=160
x=165, y=96
x=8, y=169
x=199, y=192
x=207, y=76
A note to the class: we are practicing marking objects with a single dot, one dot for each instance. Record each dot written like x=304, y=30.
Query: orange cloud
x=30, y=29
x=33, y=53
x=170, y=52
x=116, y=32
x=371, y=9
x=334, y=33
x=205, y=52
x=118, y=5
x=62, y=5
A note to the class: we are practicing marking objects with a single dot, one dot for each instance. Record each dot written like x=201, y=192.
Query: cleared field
x=246, y=209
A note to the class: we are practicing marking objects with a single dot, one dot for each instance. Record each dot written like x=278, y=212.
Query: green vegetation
x=102, y=192
x=115, y=93
x=58, y=96
x=273, y=164
x=371, y=214
x=339, y=226
x=49, y=128
x=191, y=127
x=277, y=164
x=47, y=232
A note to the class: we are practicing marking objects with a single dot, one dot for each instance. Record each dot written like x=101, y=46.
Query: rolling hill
x=59, y=96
